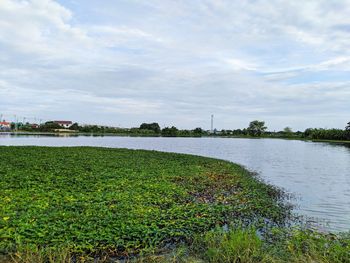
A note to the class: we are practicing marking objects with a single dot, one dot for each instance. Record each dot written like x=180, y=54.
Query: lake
x=316, y=174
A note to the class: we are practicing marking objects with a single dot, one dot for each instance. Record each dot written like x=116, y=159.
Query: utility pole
x=15, y=123
x=212, y=124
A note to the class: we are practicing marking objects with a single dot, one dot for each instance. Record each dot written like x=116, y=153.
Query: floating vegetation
x=80, y=203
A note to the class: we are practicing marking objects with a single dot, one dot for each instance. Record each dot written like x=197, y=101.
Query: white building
x=64, y=124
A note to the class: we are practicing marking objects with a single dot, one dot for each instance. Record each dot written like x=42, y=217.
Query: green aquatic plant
x=121, y=202
x=85, y=204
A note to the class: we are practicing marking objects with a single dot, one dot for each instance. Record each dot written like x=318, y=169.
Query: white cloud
x=176, y=61
x=237, y=64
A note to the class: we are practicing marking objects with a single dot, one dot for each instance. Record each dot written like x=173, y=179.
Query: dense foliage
x=327, y=134
x=256, y=128
x=46, y=127
x=170, y=132
x=121, y=201
x=150, y=126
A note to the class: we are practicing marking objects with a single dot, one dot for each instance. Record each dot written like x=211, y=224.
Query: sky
x=176, y=62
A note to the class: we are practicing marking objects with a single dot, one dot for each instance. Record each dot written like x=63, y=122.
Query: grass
x=281, y=245
x=84, y=204
x=239, y=244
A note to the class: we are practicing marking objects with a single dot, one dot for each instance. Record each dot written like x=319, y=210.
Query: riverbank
x=286, y=138
x=117, y=203
x=62, y=134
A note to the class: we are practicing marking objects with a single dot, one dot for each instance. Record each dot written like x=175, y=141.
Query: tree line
x=255, y=128
x=258, y=129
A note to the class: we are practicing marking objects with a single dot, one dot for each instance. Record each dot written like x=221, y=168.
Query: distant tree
x=74, y=127
x=198, y=131
x=13, y=126
x=49, y=126
x=184, y=133
x=347, y=128
x=308, y=132
x=256, y=128
x=288, y=131
x=237, y=132
x=347, y=131
x=170, y=132
x=330, y=134
x=150, y=126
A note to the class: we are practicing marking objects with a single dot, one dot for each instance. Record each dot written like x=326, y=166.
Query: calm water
x=317, y=174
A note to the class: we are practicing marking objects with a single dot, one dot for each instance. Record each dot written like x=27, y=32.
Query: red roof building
x=5, y=125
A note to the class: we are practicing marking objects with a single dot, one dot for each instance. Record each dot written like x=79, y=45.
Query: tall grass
x=234, y=246
x=282, y=245
x=238, y=245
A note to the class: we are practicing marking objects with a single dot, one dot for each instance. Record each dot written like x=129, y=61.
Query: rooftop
x=63, y=122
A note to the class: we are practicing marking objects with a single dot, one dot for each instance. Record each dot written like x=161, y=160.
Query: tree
x=256, y=128
x=13, y=125
x=74, y=127
x=288, y=131
x=347, y=128
x=170, y=132
x=150, y=126
x=308, y=132
x=49, y=126
x=198, y=131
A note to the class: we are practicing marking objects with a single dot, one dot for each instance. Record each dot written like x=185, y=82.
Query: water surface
x=317, y=174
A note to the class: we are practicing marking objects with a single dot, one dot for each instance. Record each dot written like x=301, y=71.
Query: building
x=5, y=126
x=64, y=124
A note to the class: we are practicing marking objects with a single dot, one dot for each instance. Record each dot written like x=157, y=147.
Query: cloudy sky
x=123, y=62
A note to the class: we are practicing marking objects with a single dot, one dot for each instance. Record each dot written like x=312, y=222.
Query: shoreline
x=76, y=134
